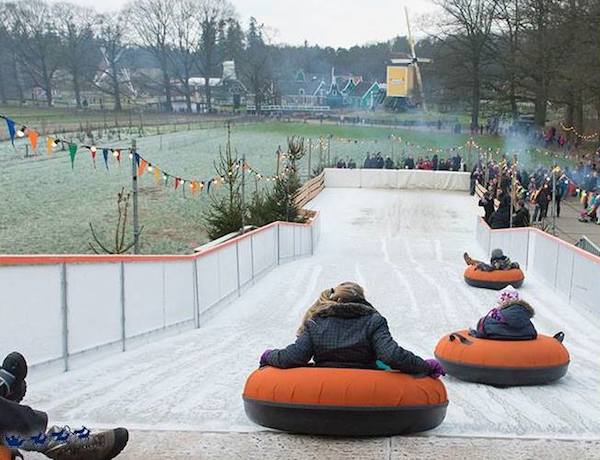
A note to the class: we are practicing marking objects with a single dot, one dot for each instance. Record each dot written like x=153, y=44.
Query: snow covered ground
x=406, y=248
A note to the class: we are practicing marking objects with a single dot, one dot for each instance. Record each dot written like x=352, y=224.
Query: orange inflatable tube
x=5, y=453
x=497, y=279
x=503, y=362
x=344, y=402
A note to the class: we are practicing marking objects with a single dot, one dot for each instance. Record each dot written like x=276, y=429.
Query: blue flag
x=105, y=155
x=11, y=130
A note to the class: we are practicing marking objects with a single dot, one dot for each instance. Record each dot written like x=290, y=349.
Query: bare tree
x=510, y=21
x=79, y=53
x=38, y=43
x=152, y=21
x=467, y=27
x=256, y=64
x=212, y=13
x=112, y=75
x=540, y=53
x=185, y=39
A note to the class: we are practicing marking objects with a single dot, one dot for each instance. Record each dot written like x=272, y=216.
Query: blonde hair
x=343, y=292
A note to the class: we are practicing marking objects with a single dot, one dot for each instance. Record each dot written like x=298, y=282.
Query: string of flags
x=143, y=165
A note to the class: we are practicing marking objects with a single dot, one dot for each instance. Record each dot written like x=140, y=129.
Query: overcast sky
x=325, y=22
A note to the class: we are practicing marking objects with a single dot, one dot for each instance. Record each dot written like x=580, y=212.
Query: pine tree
x=278, y=203
x=225, y=213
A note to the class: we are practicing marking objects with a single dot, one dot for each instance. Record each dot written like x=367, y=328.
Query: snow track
x=406, y=248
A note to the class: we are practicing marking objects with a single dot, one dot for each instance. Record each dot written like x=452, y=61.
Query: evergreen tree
x=278, y=203
x=225, y=212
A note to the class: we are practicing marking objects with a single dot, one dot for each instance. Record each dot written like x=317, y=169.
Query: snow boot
x=468, y=259
x=64, y=444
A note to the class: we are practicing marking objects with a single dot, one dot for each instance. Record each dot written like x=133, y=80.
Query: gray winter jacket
x=347, y=335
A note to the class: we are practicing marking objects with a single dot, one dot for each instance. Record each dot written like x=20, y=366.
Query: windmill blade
x=415, y=62
x=410, y=38
x=420, y=85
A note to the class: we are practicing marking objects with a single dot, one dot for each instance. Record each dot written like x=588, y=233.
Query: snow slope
x=406, y=248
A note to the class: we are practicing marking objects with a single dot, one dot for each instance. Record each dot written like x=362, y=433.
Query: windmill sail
x=415, y=62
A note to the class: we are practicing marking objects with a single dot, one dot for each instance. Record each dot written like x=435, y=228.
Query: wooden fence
x=310, y=190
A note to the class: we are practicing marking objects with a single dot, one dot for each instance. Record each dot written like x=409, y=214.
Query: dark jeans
x=23, y=420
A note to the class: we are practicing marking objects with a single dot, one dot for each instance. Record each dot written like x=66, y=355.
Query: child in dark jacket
x=498, y=261
x=510, y=320
x=342, y=329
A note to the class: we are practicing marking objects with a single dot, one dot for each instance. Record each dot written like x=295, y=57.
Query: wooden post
x=278, y=159
x=134, y=187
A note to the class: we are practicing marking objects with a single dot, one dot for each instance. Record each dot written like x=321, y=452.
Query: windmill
x=412, y=62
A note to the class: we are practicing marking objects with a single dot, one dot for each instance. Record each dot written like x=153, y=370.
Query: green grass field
x=47, y=206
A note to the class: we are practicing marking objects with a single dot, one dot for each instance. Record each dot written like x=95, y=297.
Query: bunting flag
x=105, y=155
x=93, y=152
x=72, y=153
x=12, y=132
x=49, y=145
x=137, y=159
x=141, y=165
x=177, y=182
x=117, y=154
x=33, y=138
x=157, y=175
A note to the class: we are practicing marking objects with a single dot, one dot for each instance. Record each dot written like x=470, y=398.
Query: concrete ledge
x=272, y=445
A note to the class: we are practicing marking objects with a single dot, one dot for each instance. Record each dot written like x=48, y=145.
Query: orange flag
x=142, y=167
x=49, y=145
x=33, y=138
x=157, y=175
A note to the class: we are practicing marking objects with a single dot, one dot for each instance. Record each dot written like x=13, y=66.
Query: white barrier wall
x=397, y=179
x=58, y=307
x=566, y=268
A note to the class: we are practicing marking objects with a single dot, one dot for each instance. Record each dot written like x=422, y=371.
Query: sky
x=336, y=23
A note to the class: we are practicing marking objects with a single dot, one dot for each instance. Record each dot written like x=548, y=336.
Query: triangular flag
x=157, y=175
x=11, y=130
x=93, y=152
x=118, y=156
x=141, y=165
x=177, y=179
x=137, y=160
x=33, y=138
x=105, y=155
x=72, y=153
x=49, y=145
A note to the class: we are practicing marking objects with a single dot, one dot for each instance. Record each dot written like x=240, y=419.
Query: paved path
x=266, y=446
x=568, y=226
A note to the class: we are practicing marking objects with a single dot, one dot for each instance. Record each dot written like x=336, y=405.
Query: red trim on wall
x=55, y=259
x=585, y=254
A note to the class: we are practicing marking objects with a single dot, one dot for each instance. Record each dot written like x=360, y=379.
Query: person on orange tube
x=509, y=320
x=342, y=329
x=498, y=261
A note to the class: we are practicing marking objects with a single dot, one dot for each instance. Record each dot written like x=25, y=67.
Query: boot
x=83, y=445
x=468, y=259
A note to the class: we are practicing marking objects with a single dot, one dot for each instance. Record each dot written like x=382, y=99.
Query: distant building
x=366, y=95
x=334, y=91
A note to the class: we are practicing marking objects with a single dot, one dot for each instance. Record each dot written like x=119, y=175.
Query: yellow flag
x=49, y=145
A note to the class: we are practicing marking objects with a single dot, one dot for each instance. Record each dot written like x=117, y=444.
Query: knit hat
x=508, y=294
x=497, y=254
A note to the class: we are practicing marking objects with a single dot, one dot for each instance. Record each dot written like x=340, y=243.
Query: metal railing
x=587, y=245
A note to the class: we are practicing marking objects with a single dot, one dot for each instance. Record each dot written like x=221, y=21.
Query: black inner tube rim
x=346, y=408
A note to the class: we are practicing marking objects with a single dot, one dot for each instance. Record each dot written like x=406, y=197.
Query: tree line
x=504, y=56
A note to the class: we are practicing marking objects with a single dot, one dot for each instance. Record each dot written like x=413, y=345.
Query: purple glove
x=264, y=357
x=497, y=315
x=437, y=370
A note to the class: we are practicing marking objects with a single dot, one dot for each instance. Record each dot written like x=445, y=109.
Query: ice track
x=406, y=248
